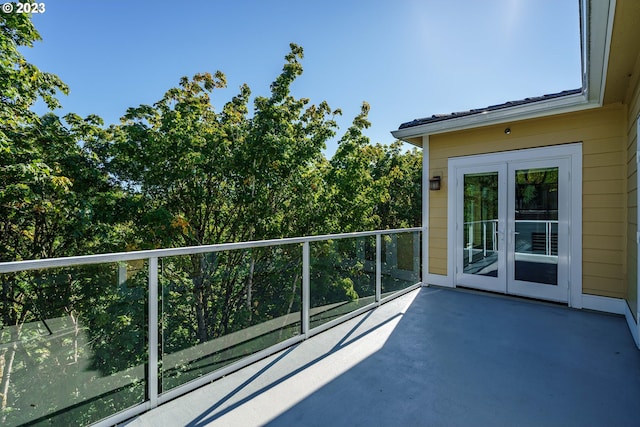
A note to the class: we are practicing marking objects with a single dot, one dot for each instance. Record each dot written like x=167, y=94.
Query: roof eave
x=596, y=22
x=549, y=107
x=597, y=28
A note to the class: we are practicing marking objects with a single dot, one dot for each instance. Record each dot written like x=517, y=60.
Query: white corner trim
x=605, y=304
x=440, y=280
x=575, y=287
x=633, y=326
x=631, y=319
x=452, y=188
x=426, y=173
x=637, y=213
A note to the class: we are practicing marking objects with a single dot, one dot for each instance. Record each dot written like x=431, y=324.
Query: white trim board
x=633, y=326
x=605, y=304
x=440, y=280
x=426, y=174
x=635, y=315
x=547, y=152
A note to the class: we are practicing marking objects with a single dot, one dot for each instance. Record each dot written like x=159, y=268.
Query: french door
x=512, y=226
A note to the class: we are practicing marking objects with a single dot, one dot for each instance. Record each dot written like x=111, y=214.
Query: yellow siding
x=602, y=133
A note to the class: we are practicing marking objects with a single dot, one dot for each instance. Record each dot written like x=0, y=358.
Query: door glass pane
x=480, y=250
x=536, y=225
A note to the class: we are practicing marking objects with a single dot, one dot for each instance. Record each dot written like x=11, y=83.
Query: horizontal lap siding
x=602, y=133
x=438, y=218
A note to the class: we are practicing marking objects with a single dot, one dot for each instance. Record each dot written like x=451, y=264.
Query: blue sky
x=406, y=58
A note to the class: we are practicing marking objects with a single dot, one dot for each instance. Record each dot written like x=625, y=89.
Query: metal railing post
x=306, y=298
x=152, y=368
x=122, y=272
x=484, y=238
x=378, y=267
x=494, y=234
x=416, y=252
x=470, y=243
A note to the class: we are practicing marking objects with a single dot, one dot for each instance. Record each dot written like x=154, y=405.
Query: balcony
x=435, y=357
x=323, y=330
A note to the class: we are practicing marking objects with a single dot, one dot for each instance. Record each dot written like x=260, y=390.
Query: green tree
x=283, y=158
x=174, y=156
x=55, y=201
x=352, y=191
x=401, y=174
x=21, y=83
x=207, y=177
x=176, y=173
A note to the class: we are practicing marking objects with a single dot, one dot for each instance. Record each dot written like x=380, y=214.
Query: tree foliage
x=175, y=173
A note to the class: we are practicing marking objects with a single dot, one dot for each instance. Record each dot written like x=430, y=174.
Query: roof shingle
x=442, y=117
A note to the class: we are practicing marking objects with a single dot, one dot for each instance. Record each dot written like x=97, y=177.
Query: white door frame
x=495, y=284
x=535, y=290
x=572, y=152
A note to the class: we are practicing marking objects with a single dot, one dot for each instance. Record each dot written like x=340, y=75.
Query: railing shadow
x=468, y=359
x=211, y=415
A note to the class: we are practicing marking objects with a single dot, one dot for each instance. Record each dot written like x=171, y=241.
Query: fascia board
x=522, y=112
x=600, y=16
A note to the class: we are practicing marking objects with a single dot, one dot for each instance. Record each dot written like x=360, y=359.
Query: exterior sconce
x=434, y=183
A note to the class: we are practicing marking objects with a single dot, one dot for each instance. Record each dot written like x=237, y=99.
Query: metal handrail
x=538, y=221
x=470, y=224
x=153, y=396
x=15, y=266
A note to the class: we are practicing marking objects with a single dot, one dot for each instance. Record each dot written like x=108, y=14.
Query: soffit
x=624, y=50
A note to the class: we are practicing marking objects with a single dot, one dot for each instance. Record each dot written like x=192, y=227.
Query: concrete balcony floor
x=434, y=357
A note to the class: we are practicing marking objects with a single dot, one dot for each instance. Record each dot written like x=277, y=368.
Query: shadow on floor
x=466, y=359
x=218, y=410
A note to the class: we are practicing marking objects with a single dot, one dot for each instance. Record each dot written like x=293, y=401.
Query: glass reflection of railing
x=101, y=338
x=537, y=237
x=486, y=232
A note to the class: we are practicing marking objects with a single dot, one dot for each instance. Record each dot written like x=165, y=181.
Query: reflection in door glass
x=480, y=250
x=536, y=225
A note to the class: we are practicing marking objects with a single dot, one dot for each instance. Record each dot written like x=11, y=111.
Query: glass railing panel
x=342, y=277
x=400, y=261
x=72, y=343
x=219, y=307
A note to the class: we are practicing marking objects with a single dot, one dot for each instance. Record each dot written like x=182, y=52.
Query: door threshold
x=462, y=288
